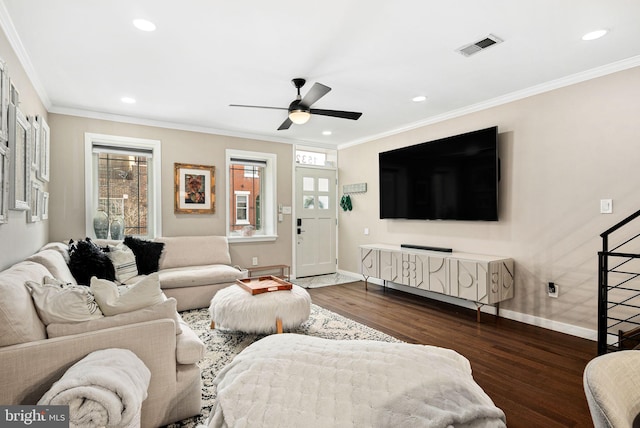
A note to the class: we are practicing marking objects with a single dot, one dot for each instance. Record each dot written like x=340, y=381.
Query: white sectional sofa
x=34, y=355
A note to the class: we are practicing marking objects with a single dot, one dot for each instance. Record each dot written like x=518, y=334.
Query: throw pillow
x=87, y=259
x=166, y=309
x=57, y=302
x=124, y=262
x=147, y=254
x=145, y=292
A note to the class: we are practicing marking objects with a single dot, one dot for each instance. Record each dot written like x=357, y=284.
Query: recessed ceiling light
x=418, y=99
x=144, y=25
x=594, y=35
x=128, y=100
x=326, y=132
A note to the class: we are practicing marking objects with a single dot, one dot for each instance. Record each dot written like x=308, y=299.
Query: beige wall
x=19, y=239
x=561, y=152
x=67, y=201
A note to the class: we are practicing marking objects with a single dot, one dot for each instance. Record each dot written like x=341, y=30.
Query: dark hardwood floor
x=533, y=374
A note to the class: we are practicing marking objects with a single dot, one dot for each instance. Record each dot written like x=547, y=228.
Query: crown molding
x=552, y=85
x=14, y=40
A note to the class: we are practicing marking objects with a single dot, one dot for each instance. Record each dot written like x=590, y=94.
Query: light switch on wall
x=606, y=206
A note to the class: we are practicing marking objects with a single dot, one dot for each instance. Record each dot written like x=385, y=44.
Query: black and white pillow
x=124, y=262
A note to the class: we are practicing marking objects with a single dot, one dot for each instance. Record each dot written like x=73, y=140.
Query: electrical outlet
x=553, y=289
x=254, y=261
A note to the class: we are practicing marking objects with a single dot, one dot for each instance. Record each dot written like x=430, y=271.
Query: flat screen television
x=454, y=178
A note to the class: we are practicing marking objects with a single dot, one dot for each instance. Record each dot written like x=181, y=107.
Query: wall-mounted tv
x=454, y=178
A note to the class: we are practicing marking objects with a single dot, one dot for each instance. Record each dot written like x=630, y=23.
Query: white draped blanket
x=293, y=380
x=104, y=389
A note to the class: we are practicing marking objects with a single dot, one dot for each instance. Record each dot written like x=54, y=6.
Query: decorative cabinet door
x=469, y=279
x=437, y=275
x=369, y=262
x=391, y=266
x=506, y=279
x=415, y=269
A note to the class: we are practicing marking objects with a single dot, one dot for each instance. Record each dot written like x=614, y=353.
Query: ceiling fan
x=300, y=109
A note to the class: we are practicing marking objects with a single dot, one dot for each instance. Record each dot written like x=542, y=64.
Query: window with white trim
x=122, y=185
x=251, y=181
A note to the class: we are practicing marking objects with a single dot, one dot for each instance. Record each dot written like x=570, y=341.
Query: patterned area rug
x=222, y=346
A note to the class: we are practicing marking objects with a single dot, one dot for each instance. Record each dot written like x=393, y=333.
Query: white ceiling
x=85, y=55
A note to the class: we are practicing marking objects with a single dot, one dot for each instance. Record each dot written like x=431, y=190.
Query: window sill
x=254, y=238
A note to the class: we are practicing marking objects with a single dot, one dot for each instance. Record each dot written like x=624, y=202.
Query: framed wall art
x=34, y=145
x=4, y=183
x=35, y=206
x=20, y=171
x=44, y=148
x=45, y=205
x=14, y=95
x=4, y=102
x=195, y=189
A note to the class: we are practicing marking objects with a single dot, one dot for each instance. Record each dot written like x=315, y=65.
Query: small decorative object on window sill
x=248, y=231
x=101, y=224
x=117, y=227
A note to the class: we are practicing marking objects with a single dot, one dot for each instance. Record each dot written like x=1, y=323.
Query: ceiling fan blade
x=285, y=125
x=317, y=91
x=353, y=115
x=244, y=105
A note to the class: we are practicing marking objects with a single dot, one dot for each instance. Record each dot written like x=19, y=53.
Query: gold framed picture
x=195, y=189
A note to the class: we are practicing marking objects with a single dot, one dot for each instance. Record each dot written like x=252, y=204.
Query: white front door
x=315, y=221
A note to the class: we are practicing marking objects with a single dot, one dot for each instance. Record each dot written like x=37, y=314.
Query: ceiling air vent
x=470, y=49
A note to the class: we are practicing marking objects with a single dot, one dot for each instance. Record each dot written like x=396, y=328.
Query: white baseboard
x=558, y=326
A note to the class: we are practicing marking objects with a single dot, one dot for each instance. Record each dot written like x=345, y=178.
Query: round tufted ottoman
x=233, y=308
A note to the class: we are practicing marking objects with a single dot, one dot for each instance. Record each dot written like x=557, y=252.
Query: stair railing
x=619, y=260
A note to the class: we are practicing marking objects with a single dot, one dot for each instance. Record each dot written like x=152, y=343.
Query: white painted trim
x=270, y=184
x=558, y=326
x=89, y=167
x=14, y=40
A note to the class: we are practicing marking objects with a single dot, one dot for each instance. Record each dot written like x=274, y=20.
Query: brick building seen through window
x=123, y=190
x=245, y=197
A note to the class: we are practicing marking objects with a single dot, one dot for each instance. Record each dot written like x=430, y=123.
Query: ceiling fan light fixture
x=299, y=116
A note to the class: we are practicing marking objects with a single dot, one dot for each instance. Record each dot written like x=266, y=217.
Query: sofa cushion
x=195, y=276
x=124, y=262
x=166, y=309
x=189, y=347
x=144, y=293
x=59, y=302
x=19, y=322
x=180, y=251
x=147, y=253
x=55, y=263
x=86, y=260
x=61, y=247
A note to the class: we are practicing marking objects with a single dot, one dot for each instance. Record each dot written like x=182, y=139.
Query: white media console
x=479, y=278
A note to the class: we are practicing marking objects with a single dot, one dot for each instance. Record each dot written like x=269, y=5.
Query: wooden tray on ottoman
x=263, y=284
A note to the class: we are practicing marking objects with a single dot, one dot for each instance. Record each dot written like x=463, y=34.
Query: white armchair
x=612, y=387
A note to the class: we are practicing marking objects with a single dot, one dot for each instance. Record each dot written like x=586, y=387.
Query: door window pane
x=308, y=184
x=308, y=202
x=323, y=184
x=323, y=202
